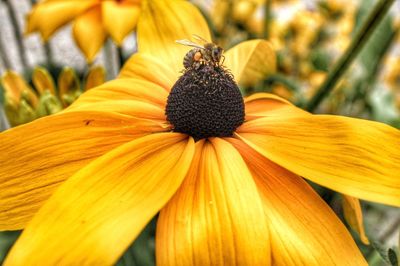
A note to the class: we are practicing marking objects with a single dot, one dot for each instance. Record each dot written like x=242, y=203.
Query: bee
x=205, y=52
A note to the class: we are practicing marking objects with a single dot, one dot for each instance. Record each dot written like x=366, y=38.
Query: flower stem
x=360, y=39
x=267, y=18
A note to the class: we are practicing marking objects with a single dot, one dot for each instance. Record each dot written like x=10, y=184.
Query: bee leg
x=223, y=59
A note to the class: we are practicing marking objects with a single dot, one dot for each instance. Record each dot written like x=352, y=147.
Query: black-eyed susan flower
x=93, y=21
x=95, y=174
x=23, y=103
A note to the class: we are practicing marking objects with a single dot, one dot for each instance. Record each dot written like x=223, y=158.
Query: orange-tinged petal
x=15, y=86
x=37, y=157
x=353, y=214
x=43, y=81
x=119, y=19
x=68, y=81
x=133, y=108
x=162, y=22
x=266, y=104
x=89, y=33
x=146, y=67
x=356, y=157
x=95, y=215
x=216, y=217
x=95, y=77
x=251, y=61
x=48, y=16
x=304, y=230
x=124, y=89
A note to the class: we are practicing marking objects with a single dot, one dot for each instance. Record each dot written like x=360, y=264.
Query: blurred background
x=309, y=37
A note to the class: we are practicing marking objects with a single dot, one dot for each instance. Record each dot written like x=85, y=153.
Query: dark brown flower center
x=205, y=102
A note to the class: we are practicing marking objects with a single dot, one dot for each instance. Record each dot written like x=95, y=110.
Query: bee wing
x=199, y=39
x=189, y=43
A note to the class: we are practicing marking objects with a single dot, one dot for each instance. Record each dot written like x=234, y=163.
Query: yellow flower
x=239, y=199
x=23, y=104
x=92, y=20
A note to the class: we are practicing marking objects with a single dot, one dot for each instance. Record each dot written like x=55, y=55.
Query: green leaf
x=393, y=257
x=142, y=251
x=7, y=239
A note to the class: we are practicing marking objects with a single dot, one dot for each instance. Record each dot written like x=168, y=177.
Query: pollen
x=205, y=102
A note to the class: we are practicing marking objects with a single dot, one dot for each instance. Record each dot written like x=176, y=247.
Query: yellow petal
x=250, y=62
x=68, y=81
x=37, y=157
x=152, y=69
x=42, y=80
x=356, y=157
x=99, y=211
x=266, y=104
x=162, y=22
x=89, y=33
x=304, y=230
x=95, y=77
x=119, y=19
x=139, y=109
x=354, y=217
x=15, y=86
x=48, y=16
x=68, y=85
x=124, y=89
x=216, y=217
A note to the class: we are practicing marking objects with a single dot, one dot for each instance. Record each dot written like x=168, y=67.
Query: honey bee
x=205, y=52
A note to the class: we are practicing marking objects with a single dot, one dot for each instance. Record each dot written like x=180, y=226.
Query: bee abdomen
x=190, y=58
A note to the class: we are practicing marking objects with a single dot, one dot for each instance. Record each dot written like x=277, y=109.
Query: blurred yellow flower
x=224, y=199
x=93, y=21
x=23, y=104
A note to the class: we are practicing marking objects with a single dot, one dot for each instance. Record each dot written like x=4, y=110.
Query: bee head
x=216, y=53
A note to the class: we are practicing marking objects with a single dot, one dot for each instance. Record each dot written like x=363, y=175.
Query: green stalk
x=267, y=19
x=360, y=39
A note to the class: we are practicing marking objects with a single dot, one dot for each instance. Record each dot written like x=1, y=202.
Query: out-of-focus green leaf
x=142, y=251
x=393, y=257
x=321, y=60
x=7, y=239
x=382, y=251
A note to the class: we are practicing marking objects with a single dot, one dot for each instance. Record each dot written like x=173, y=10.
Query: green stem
x=360, y=39
x=17, y=33
x=267, y=18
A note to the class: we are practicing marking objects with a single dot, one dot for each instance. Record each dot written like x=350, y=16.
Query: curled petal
x=353, y=214
x=251, y=61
